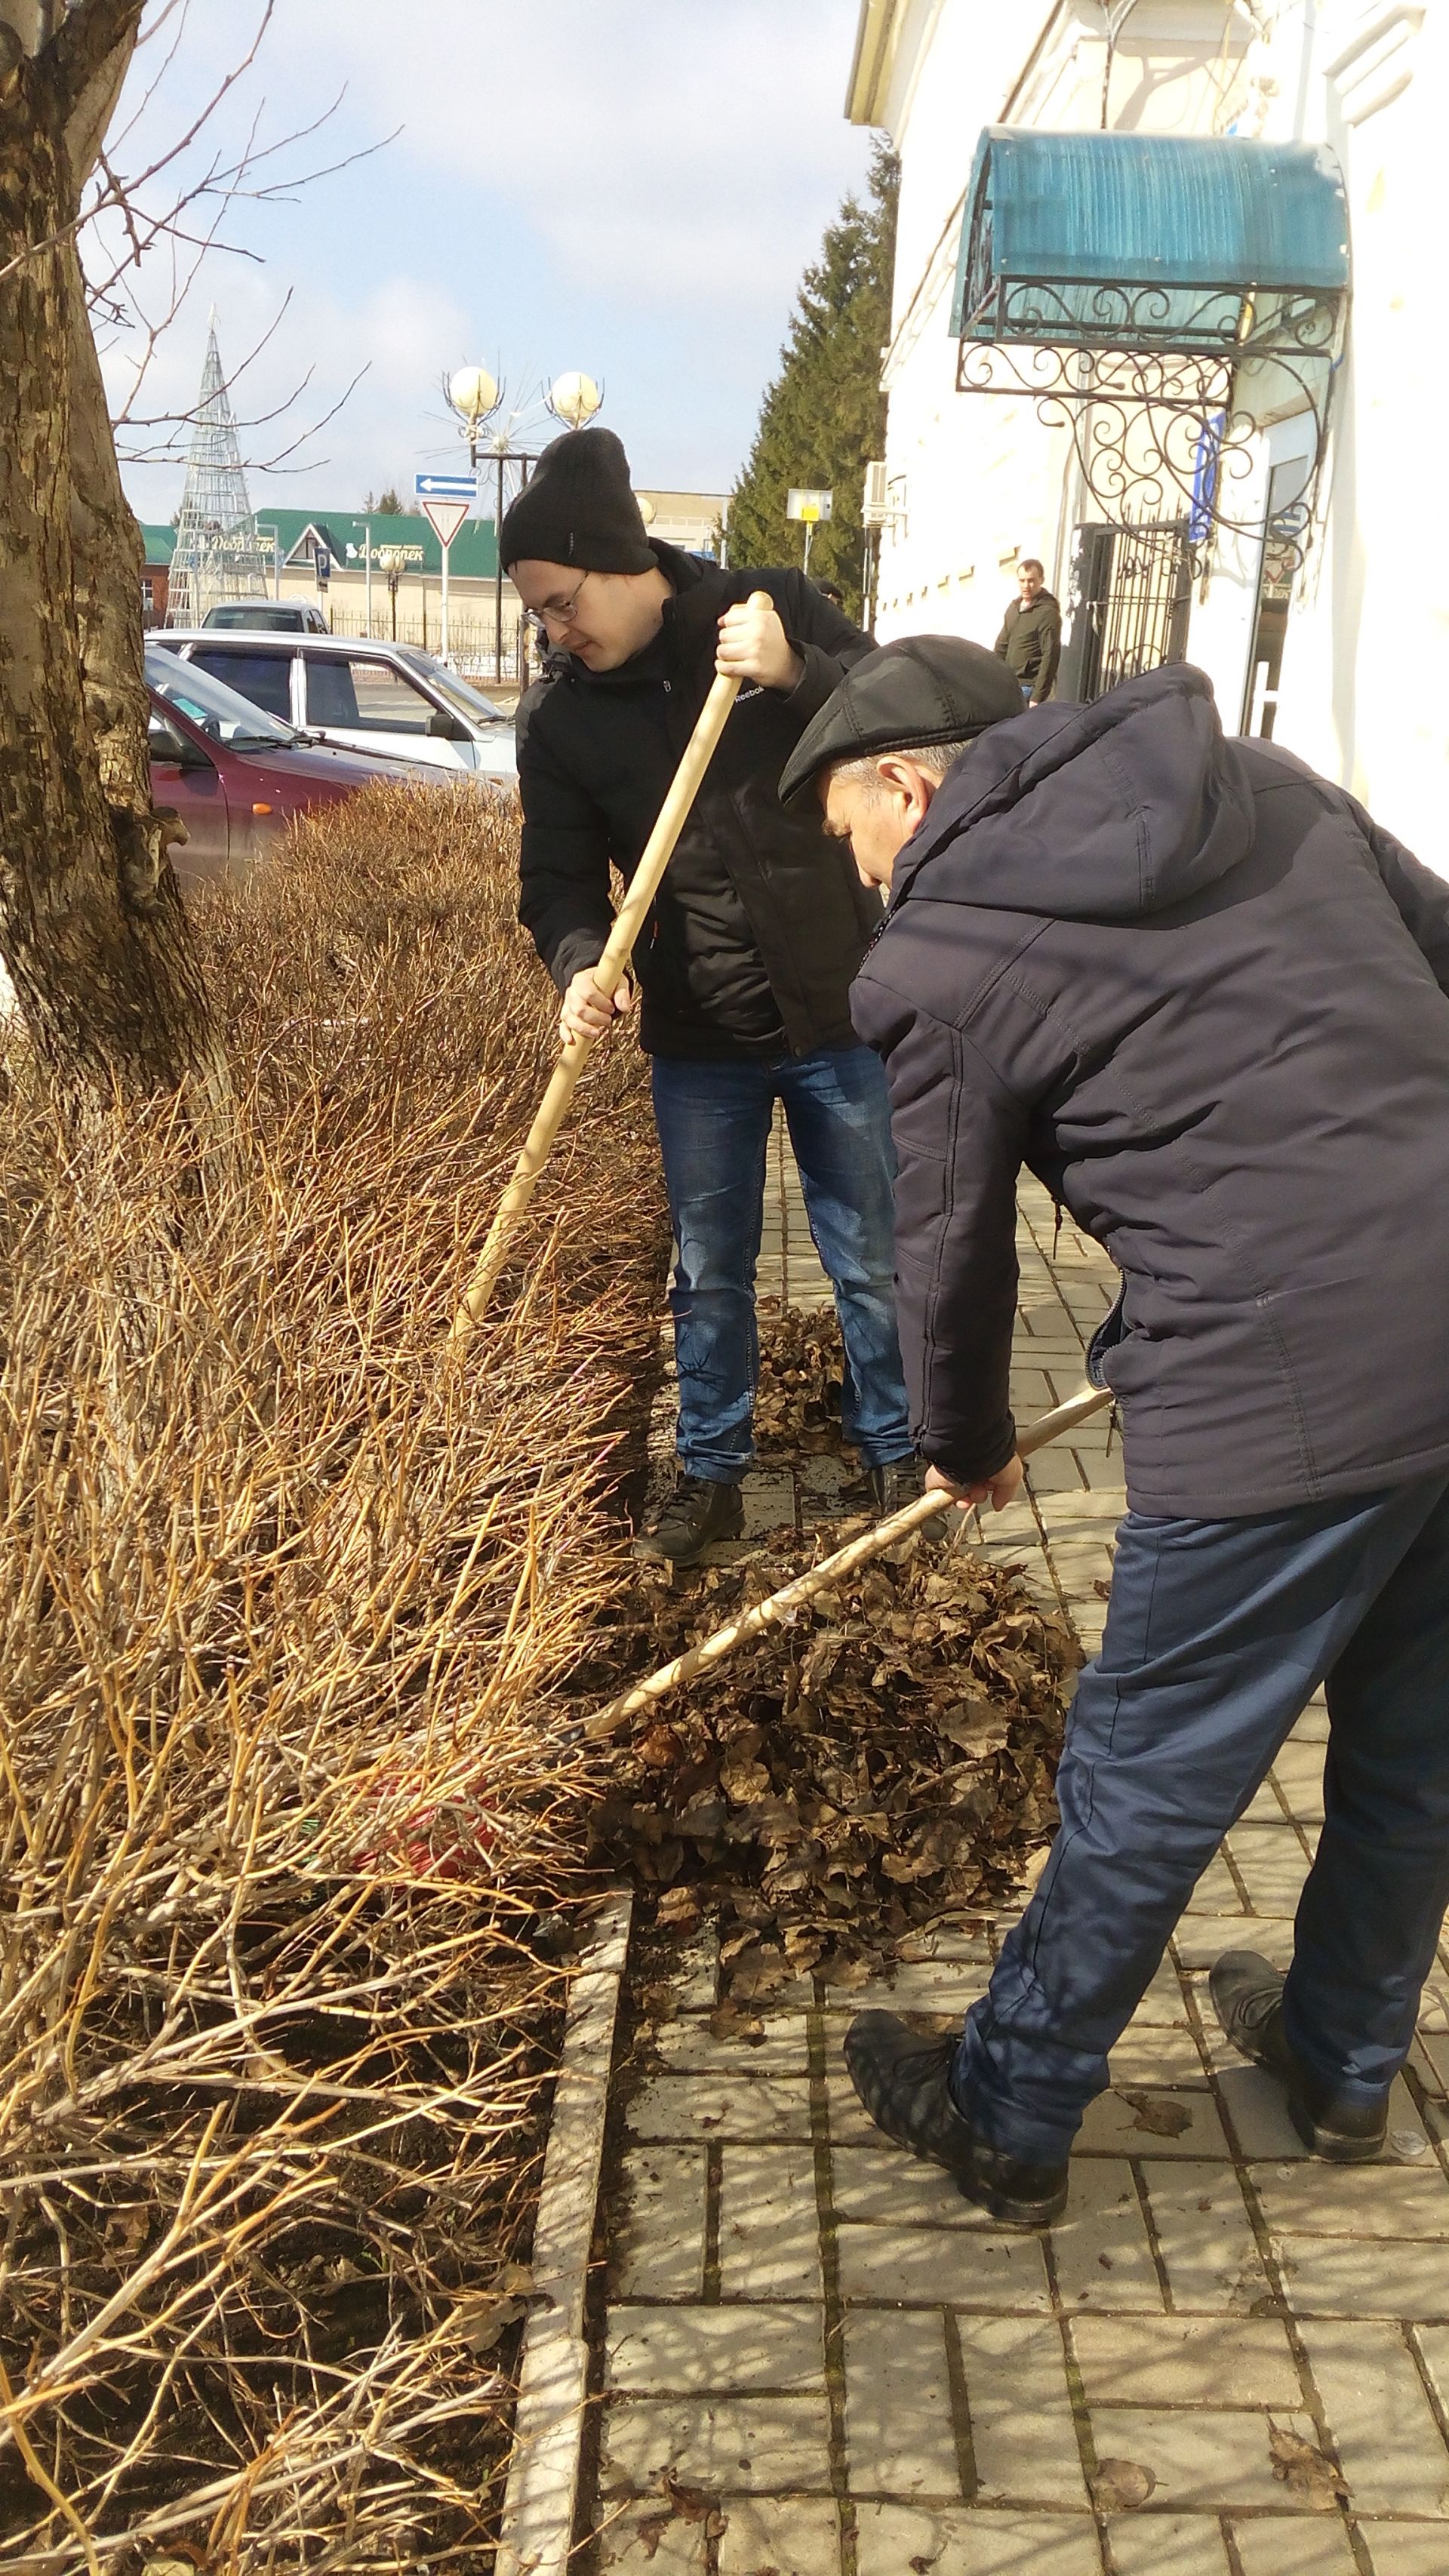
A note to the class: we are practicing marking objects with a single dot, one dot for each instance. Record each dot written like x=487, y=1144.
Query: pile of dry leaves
x=884, y=1762
x=802, y=1370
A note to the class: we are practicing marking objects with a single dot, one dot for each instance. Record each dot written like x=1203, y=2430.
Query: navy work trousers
x=1217, y=1634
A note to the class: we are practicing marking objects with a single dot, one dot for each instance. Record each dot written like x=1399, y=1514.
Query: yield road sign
x=446, y=518
x=446, y=487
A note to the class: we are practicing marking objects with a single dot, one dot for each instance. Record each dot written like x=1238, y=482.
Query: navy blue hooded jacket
x=1201, y=995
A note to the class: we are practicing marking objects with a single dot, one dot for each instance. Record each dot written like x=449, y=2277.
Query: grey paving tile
x=1200, y=1940
x=1380, y=2419
x=1298, y=1771
x=689, y=2047
x=1217, y=1891
x=687, y=2351
x=779, y=2536
x=1153, y=2122
x=1185, y=2361
x=1022, y=2429
x=958, y=2266
x=1365, y=2277
x=1356, y=2200
x=1206, y=2240
x=1101, y=2249
x=884, y=2185
x=1163, y=2003
x=1167, y=2544
x=728, y=2105
x=1311, y=2544
x=1202, y=2457
x=1403, y=2548
x=739, y=2444
x=696, y=1973
x=768, y=1497
x=904, y=2540
x=769, y=2245
x=656, y=2227
x=945, y=1986
x=1272, y=1864
x=849, y=2124
x=1150, y=2056
x=899, y=2434
x=651, y=2536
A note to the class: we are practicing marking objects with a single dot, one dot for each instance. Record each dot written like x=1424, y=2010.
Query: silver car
x=371, y=697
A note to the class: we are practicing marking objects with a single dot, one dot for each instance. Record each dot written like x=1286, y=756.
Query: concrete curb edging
x=548, y=2426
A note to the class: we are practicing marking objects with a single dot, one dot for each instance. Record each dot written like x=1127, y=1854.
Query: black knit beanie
x=577, y=508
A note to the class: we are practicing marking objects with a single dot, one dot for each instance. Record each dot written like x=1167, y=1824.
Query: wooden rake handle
x=793, y=1596
x=608, y=975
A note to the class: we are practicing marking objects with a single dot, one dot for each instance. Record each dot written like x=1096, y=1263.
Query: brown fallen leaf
x=679, y=1906
x=479, y=2320
x=1120, y=2486
x=1301, y=2467
x=1158, y=2114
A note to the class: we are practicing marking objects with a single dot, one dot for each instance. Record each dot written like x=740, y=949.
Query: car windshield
x=469, y=702
x=216, y=710
x=257, y=618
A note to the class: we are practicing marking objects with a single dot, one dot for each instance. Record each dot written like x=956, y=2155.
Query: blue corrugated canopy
x=1150, y=241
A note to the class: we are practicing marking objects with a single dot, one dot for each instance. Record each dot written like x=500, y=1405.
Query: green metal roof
x=470, y=558
x=1146, y=240
x=159, y=542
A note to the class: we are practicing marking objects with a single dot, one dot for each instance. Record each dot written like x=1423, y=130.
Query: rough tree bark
x=91, y=923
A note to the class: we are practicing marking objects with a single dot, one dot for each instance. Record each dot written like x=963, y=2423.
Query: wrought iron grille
x=1131, y=593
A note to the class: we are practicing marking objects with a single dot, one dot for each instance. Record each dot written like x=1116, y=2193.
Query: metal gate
x=1131, y=594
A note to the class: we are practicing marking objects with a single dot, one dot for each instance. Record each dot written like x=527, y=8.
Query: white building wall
x=1364, y=692
x=980, y=480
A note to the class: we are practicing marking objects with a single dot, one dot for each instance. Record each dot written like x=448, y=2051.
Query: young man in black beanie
x=746, y=962
x=1205, y=998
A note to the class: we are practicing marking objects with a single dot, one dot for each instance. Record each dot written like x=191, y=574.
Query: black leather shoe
x=697, y=1513
x=1247, y=1993
x=901, y=2078
x=888, y=1489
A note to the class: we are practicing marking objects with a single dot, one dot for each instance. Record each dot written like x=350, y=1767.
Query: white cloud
x=632, y=186
x=663, y=148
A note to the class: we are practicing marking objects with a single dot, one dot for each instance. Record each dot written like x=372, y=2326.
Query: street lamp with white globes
x=476, y=397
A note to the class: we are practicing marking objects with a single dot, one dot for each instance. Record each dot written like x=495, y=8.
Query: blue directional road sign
x=446, y=487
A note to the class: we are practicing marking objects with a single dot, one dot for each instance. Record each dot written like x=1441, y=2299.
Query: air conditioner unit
x=875, y=511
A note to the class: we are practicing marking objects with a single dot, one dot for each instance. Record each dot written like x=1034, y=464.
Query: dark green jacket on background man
x=1030, y=643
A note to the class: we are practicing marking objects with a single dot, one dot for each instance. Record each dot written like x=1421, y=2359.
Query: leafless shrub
x=280, y=1786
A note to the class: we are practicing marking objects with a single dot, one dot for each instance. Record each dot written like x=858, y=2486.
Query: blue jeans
x=1217, y=1633
x=714, y=1126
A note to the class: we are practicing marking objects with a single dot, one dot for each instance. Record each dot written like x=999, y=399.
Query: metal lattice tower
x=218, y=550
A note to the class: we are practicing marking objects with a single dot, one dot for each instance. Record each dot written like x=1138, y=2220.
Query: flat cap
x=921, y=689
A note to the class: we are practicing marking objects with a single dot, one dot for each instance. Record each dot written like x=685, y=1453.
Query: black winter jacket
x=1206, y=999
x=761, y=920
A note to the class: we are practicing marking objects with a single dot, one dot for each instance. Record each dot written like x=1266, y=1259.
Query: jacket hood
x=1108, y=811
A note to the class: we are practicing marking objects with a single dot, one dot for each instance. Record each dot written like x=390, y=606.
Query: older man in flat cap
x=1205, y=998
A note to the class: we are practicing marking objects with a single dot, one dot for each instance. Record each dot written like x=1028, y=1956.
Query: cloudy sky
x=631, y=187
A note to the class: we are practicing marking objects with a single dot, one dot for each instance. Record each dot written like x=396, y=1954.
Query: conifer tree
x=823, y=418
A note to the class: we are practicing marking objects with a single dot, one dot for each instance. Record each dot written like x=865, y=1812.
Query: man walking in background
x=1205, y=998
x=746, y=961
x=1030, y=642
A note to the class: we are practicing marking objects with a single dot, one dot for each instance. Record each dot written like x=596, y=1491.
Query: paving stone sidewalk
x=1227, y=2360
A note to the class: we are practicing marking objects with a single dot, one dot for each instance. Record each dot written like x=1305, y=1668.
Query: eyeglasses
x=558, y=612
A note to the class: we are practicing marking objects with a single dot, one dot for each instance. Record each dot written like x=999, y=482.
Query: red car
x=235, y=775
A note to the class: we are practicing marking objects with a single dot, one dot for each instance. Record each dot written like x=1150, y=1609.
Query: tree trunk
x=91, y=924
